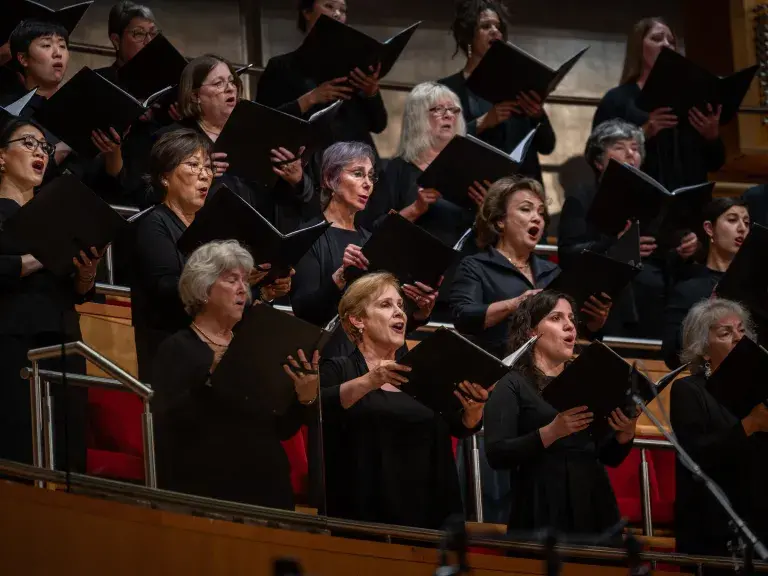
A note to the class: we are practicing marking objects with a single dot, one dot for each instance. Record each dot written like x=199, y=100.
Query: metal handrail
x=103, y=487
x=557, y=99
x=113, y=290
x=41, y=401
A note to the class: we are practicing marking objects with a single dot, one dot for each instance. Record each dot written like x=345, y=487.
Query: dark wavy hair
x=170, y=150
x=711, y=212
x=465, y=21
x=524, y=320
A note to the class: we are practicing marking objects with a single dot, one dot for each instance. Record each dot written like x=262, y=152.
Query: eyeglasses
x=361, y=175
x=32, y=144
x=141, y=35
x=198, y=168
x=221, y=85
x=441, y=110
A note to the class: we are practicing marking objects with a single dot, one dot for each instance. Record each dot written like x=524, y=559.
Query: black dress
x=38, y=310
x=683, y=296
x=157, y=265
x=716, y=441
x=639, y=310
x=388, y=458
x=507, y=135
x=675, y=157
x=314, y=295
x=564, y=486
x=485, y=278
x=212, y=443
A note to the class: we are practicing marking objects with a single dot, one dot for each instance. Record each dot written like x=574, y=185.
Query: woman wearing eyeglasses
x=348, y=181
x=180, y=167
x=37, y=309
x=285, y=85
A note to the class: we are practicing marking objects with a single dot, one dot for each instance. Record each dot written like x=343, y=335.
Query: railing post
x=109, y=264
x=36, y=406
x=476, y=479
x=645, y=494
x=148, y=436
x=48, y=437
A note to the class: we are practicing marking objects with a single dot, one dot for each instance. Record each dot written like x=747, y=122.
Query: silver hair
x=608, y=133
x=335, y=158
x=700, y=319
x=204, y=267
x=415, y=137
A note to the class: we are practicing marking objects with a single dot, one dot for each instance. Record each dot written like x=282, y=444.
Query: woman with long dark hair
x=560, y=480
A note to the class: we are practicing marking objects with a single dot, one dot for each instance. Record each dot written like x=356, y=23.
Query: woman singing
x=559, y=479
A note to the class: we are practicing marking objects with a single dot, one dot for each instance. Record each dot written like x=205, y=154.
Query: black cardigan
x=505, y=136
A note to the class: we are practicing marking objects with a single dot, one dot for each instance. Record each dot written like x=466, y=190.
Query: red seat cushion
x=625, y=480
x=296, y=450
x=115, y=446
x=663, y=505
x=115, y=465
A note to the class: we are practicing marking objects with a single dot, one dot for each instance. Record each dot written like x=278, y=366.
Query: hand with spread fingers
x=305, y=376
x=110, y=147
x=531, y=105
x=597, y=310
x=473, y=398
x=388, y=373
x=566, y=423
x=327, y=92
x=660, y=119
x=424, y=297
x=353, y=256
x=368, y=84
x=478, y=192
x=622, y=425
x=287, y=165
x=499, y=114
x=220, y=164
x=258, y=273
x=647, y=246
x=279, y=288
x=86, y=266
x=688, y=246
x=708, y=125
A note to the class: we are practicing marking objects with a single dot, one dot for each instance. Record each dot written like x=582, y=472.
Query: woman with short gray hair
x=211, y=441
x=639, y=311
x=432, y=117
x=730, y=448
x=347, y=183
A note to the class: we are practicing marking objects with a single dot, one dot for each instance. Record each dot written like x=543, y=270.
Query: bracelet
x=310, y=402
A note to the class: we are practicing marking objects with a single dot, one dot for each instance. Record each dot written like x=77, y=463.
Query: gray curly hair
x=607, y=134
x=204, y=267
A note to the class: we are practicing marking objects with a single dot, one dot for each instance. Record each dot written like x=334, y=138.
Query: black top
x=716, y=441
x=507, y=135
x=564, y=486
x=398, y=189
x=38, y=303
x=284, y=82
x=388, y=458
x=210, y=443
x=485, y=278
x=757, y=202
x=675, y=157
x=683, y=296
x=285, y=206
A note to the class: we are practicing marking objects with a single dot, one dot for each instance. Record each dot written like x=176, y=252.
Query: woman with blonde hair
x=388, y=458
x=680, y=151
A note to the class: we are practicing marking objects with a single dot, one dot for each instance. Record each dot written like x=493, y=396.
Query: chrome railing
x=200, y=506
x=42, y=402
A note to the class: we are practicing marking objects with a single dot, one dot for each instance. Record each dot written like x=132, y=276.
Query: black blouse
x=38, y=303
x=485, y=278
x=213, y=443
x=683, y=296
x=715, y=439
x=398, y=189
x=564, y=486
x=388, y=458
x=507, y=135
x=675, y=157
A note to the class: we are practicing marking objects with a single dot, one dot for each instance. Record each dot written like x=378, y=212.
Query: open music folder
x=154, y=70
x=63, y=218
x=14, y=11
x=507, y=70
x=740, y=383
x=333, y=50
x=226, y=216
x=679, y=83
x=467, y=159
x=252, y=367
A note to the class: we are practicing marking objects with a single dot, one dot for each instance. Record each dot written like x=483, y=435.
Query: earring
x=707, y=369
x=164, y=183
x=469, y=51
x=2, y=168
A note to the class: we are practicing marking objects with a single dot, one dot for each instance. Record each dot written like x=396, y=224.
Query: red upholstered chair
x=115, y=447
x=625, y=480
x=663, y=504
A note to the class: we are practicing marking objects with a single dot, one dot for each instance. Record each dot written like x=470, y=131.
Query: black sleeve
x=301, y=193
x=677, y=308
x=612, y=453
x=271, y=90
x=314, y=295
x=573, y=235
x=505, y=447
x=710, y=446
x=158, y=261
x=331, y=379
x=457, y=427
x=375, y=111
x=545, y=140
x=181, y=370
x=288, y=424
x=714, y=154
x=466, y=299
x=10, y=270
